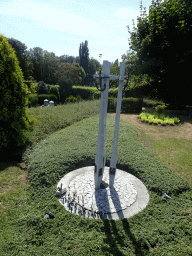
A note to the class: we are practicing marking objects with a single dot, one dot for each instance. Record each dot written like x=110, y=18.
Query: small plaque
x=112, y=171
x=100, y=172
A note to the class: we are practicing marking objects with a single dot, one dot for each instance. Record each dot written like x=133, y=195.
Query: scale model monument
x=100, y=153
x=82, y=191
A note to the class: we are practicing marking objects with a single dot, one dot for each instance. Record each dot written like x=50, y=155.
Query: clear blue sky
x=60, y=26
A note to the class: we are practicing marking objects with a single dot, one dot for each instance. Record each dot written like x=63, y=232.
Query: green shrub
x=144, y=119
x=113, y=92
x=112, y=102
x=176, y=120
x=128, y=105
x=33, y=100
x=31, y=86
x=171, y=122
x=42, y=88
x=163, y=122
x=14, y=122
x=79, y=98
x=131, y=105
x=65, y=88
x=142, y=115
x=159, y=109
x=158, y=119
x=150, y=120
x=71, y=99
x=54, y=90
x=41, y=99
x=52, y=97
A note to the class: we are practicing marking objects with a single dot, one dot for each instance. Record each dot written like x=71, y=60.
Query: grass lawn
x=65, y=139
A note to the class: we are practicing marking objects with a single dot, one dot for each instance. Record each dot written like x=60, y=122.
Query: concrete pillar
x=113, y=162
x=100, y=153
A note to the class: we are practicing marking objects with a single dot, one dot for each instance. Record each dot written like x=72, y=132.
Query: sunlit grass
x=51, y=119
x=162, y=228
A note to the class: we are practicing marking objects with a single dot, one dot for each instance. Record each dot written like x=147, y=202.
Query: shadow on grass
x=14, y=154
x=126, y=239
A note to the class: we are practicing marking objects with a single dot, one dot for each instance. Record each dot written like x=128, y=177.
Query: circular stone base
x=127, y=197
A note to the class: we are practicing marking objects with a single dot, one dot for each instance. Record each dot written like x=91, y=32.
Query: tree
x=131, y=60
x=67, y=59
x=115, y=69
x=155, y=39
x=45, y=65
x=65, y=87
x=22, y=56
x=14, y=121
x=84, y=57
x=36, y=56
x=81, y=73
x=42, y=88
x=70, y=71
x=51, y=64
x=93, y=66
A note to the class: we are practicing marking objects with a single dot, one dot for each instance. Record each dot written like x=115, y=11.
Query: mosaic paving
x=104, y=199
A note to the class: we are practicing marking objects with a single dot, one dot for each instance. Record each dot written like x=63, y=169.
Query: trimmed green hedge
x=35, y=99
x=90, y=93
x=128, y=105
x=131, y=105
x=72, y=99
x=112, y=102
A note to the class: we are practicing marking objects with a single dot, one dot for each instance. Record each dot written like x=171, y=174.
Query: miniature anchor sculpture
x=100, y=152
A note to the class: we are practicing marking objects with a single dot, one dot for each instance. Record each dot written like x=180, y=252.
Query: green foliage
x=113, y=92
x=139, y=86
x=90, y=93
x=84, y=57
x=112, y=102
x=128, y=105
x=22, y=55
x=131, y=105
x=131, y=60
x=86, y=92
x=79, y=98
x=93, y=67
x=42, y=88
x=38, y=100
x=159, y=109
x=164, y=227
x=64, y=151
x=71, y=99
x=54, y=90
x=81, y=73
x=45, y=65
x=33, y=100
x=153, y=42
x=53, y=97
x=67, y=59
x=158, y=117
x=114, y=70
x=70, y=71
x=14, y=122
x=31, y=86
x=58, y=117
x=41, y=98
x=65, y=88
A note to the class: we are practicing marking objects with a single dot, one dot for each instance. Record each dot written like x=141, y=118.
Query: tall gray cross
x=100, y=152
